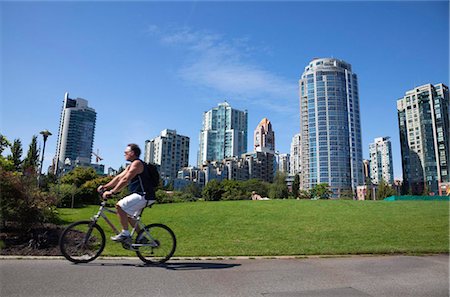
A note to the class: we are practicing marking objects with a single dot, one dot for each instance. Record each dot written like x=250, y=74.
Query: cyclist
x=136, y=176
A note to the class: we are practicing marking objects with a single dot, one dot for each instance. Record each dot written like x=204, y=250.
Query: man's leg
x=123, y=217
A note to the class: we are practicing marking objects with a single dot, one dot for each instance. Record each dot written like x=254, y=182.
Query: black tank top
x=140, y=183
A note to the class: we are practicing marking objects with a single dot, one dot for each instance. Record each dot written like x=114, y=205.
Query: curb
x=226, y=258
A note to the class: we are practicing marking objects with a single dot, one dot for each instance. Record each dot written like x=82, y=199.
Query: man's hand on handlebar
x=107, y=194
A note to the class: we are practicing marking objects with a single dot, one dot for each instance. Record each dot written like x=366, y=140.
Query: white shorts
x=133, y=204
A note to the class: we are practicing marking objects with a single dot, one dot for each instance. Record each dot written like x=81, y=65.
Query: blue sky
x=149, y=66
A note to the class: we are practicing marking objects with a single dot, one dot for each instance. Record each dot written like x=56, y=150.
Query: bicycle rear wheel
x=82, y=242
x=157, y=244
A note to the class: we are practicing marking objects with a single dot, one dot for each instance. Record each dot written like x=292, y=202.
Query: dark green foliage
x=79, y=176
x=278, y=189
x=193, y=190
x=6, y=164
x=212, y=191
x=232, y=190
x=4, y=143
x=296, y=186
x=88, y=191
x=31, y=162
x=23, y=202
x=321, y=191
x=16, y=154
x=259, y=186
x=384, y=190
x=174, y=197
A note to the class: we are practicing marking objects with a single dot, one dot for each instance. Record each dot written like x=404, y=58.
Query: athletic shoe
x=122, y=236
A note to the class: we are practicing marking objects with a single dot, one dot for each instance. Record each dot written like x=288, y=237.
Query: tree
x=88, y=191
x=259, y=186
x=232, y=190
x=321, y=191
x=426, y=189
x=31, y=162
x=304, y=194
x=296, y=186
x=213, y=191
x=79, y=176
x=4, y=143
x=6, y=164
x=64, y=193
x=278, y=189
x=193, y=189
x=384, y=190
x=16, y=154
x=369, y=190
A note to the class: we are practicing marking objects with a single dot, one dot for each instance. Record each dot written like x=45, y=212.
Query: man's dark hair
x=135, y=148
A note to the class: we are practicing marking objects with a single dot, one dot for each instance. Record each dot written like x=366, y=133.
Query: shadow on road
x=168, y=266
x=197, y=266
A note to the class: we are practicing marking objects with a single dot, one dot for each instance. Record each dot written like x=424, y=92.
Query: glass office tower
x=330, y=126
x=76, y=134
x=223, y=134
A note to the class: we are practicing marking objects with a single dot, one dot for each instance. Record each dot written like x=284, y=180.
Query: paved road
x=338, y=277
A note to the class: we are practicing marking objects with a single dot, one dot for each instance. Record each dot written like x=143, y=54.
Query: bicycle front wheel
x=156, y=244
x=82, y=242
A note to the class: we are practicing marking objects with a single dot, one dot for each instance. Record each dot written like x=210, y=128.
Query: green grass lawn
x=294, y=227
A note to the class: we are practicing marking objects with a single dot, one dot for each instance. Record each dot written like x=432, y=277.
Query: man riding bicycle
x=136, y=176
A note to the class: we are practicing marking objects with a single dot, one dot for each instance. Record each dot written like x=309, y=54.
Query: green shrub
x=174, y=197
x=23, y=202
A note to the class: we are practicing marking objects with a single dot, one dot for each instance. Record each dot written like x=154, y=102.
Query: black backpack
x=153, y=174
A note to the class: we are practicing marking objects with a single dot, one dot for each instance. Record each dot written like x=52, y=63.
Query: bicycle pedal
x=127, y=245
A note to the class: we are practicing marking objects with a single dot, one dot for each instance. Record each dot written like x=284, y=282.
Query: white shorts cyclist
x=133, y=204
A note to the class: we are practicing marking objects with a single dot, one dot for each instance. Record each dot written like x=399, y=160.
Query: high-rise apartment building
x=423, y=116
x=283, y=163
x=330, y=126
x=381, y=161
x=76, y=134
x=264, y=137
x=223, y=134
x=295, y=161
x=170, y=151
x=366, y=172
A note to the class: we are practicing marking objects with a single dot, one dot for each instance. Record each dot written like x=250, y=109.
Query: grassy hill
x=295, y=227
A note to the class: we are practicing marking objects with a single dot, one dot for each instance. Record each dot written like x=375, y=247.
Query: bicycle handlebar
x=100, y=194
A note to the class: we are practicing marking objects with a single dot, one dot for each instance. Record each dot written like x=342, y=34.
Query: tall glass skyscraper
x=423, y=117
x=223, y=134
x=330, y=126
x=76, y=133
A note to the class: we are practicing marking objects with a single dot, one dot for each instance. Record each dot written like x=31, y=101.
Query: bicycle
x=84, y=241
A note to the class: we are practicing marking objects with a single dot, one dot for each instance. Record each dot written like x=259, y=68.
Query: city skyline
x=145, y=67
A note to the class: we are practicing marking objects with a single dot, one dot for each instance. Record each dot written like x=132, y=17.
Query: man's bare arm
x=134, y=169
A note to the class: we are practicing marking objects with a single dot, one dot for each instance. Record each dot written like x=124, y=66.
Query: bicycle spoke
x=82, y=242
x=157, y=244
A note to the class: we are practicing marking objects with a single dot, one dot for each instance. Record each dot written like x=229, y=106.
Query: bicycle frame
x=101, y=214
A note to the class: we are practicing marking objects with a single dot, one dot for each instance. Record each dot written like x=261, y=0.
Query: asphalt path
x=398, y=276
